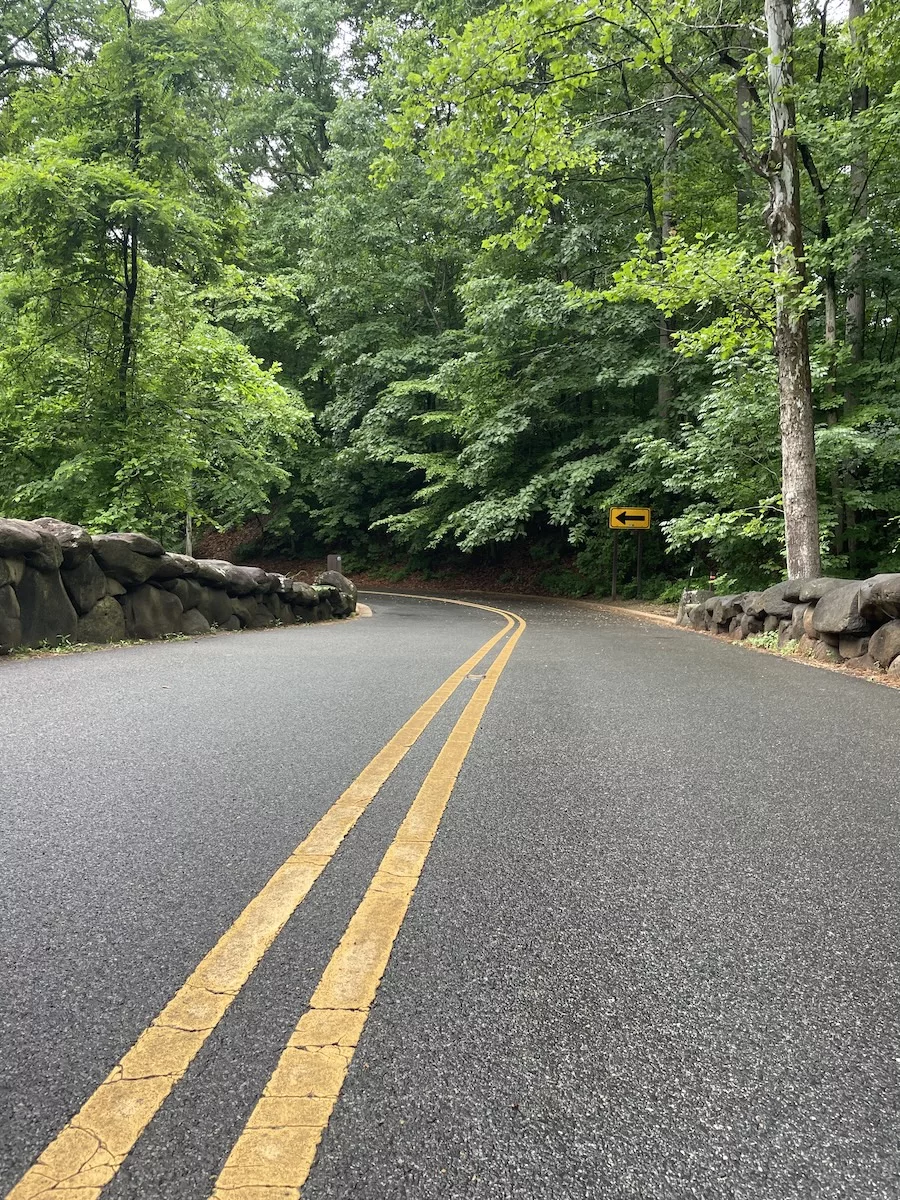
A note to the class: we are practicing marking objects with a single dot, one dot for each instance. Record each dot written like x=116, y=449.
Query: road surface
x=651, y=952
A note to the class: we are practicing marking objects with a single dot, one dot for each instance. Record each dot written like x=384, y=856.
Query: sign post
x=635, y=518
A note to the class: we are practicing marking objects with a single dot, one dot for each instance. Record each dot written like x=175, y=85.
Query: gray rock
x=215, y=606
x=698, y=617
x=10, y=620
x=104, y=623
x=263, y=619
x=232, y=625
x=884, y=644
x=213, y=571
x=809, y=629
x=772, y=602
x=864, y=663
x=340, y=603
x=749, y=625
x=27, y=540
x=86, y=585
x=188, y=591
x=323, y=611
x=724, y=608
x=265, y=581
x=139, y=542
x=18, y=538
x=785, y=634
x=690, y=597
x=114, y=588
x=76, y=543
x=151, y=612
x=894, y=668
x=826, y=653
x=119, y=559
x=194, y=623
x=807, y=646
x=852, y=647
x=838, y=611
x=771, y=623
x=11, y=571
x=302, y=594
x=245, y=608
x=240, y=581
x=880, y=598
x=815, y=589
x=341, y=582
x=47, y=613
x=174, y=566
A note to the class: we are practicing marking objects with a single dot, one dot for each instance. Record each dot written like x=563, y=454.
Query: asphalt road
x=654, y=952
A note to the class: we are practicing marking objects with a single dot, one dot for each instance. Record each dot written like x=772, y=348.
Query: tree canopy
x=451, y=278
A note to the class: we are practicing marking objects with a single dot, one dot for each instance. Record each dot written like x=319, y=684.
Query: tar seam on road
x=88, y=1152
x=274, y=1154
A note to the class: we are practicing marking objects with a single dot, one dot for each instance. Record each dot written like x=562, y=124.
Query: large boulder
x=151, y=612
x=265, y=581
x=11, y=571
x=188, y=591
x=10, y=620
x=689, y=597
x=724, y=608
x=27, y=540
x=104, y=623
x=852, y=647
x=119, y=558
x=174, y=566
x=838, y=611
x=815, y=589
x=18, y=538
x=213, y=571
x=302, y=594
x=140, y=543
x=245, y=608
x=341, y=582
x=76, y=543
x=194, y=623
x=47, y=611
x=825, y=653
x=884, y=644
x=215, y=606
x=880, y=598
x=86, y=585
x=772, y=602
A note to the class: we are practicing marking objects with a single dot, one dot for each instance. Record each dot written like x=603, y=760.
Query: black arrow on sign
x=629, y=518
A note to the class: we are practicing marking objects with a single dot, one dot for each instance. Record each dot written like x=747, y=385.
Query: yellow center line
x=88, y=1152
x=272, y=1158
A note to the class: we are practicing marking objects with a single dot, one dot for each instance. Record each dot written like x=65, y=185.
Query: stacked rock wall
x=852, y=621
x=58, y=583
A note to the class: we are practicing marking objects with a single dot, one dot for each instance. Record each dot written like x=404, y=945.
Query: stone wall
x=58, y=583
x=851, y=621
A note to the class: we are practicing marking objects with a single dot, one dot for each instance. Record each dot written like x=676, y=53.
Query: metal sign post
x=634, y=518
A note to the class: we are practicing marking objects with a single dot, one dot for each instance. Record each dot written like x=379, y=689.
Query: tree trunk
x=666, y=391
x=798, y=452
x=855, y=313
x=744, y=106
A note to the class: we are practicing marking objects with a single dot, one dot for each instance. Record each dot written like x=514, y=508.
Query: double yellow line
x=272, y=1157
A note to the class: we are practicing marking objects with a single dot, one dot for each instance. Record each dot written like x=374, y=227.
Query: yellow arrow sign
x=629, y=516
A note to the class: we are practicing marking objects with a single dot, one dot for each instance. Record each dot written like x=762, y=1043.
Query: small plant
x=769, y=641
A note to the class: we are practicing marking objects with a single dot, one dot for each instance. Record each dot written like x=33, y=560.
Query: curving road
x=652, y=953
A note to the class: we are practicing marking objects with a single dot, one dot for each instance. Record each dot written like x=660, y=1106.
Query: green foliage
x=426, y=284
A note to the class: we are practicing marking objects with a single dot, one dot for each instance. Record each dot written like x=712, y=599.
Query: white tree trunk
x=798, y=452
